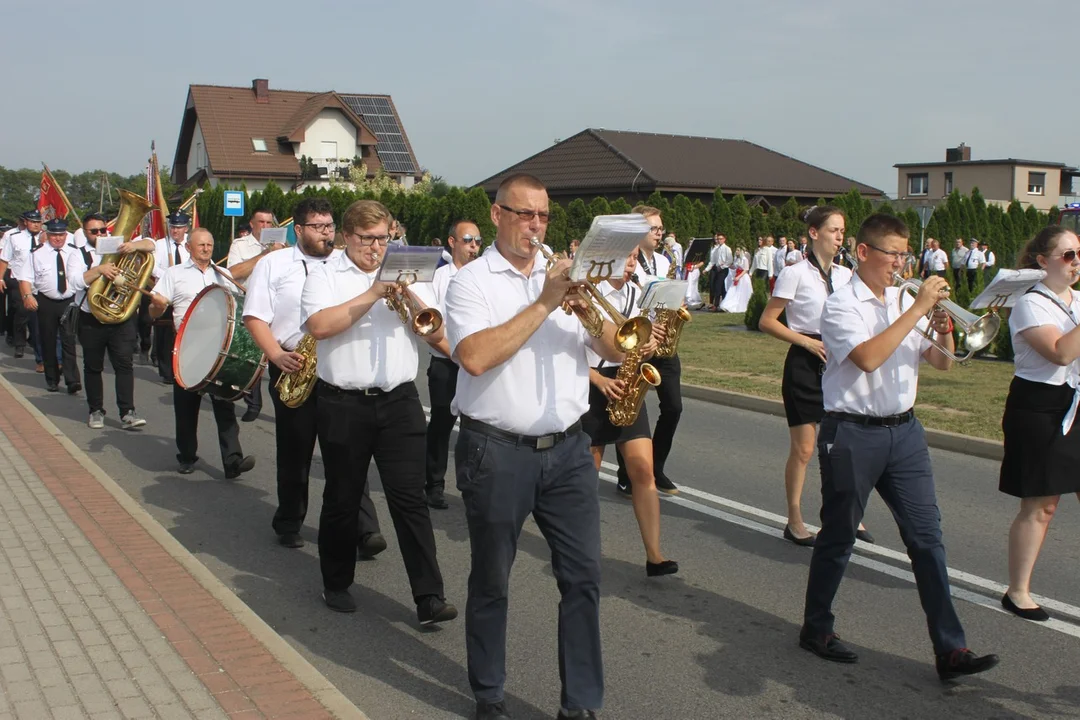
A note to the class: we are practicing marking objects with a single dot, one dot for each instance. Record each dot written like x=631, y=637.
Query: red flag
x=52, y=202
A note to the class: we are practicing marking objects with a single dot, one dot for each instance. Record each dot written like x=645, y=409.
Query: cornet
x=423, y=320
x=979, y=331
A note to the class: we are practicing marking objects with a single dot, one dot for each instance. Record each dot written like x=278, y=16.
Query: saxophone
x=637, y=377
x=295, y=388
x=673, y=321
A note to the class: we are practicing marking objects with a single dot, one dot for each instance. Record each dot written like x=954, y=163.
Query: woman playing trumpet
x=633, y=441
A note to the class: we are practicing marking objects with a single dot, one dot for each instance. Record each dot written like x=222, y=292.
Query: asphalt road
x=717, y=640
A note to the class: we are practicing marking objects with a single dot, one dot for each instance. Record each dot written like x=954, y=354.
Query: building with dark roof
x=254, y=134
x=632, y=165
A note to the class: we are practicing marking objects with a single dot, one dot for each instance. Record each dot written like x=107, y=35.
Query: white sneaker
x=132, y=421
x=97, y=420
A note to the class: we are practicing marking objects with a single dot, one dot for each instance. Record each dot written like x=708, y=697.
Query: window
x=948, y=183
x=329, y=149
x=259, y=144
x=918, y=184
x=1036, y=183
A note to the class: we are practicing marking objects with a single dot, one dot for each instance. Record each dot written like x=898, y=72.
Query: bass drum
x=214, y=353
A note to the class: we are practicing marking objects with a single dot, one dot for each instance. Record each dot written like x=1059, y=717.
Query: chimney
x=960, y=153
x=261, y=88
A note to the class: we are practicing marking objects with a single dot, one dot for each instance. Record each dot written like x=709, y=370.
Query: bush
x=759, y=298
x=1003, y=349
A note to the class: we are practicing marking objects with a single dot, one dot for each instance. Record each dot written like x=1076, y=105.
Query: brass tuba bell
x=115, y=301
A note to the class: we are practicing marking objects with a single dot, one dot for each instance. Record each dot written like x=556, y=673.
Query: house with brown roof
x=632, y=165
x=252, y=135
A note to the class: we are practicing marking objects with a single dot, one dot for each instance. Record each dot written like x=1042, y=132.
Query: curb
x=940, y=439
x=307, y=674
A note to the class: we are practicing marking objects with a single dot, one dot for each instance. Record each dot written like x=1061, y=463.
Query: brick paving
x=98, y=620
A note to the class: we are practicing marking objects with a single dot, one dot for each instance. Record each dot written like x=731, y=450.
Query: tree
x=759, y=298
x=620, y=207
x=557, y=230
x=758, y=224
x=721, y=214
x=740, y=221
x=703, y=217
x=477, y=208
x=599, y=206
x=578, y=219
x=680, y=219
x=659, y=202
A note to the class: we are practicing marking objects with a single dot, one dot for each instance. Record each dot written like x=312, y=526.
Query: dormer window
x=259, y=144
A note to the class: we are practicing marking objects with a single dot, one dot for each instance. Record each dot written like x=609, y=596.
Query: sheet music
x=1007, y=286
x=409, y=262
x=273, y=236
x=699, y=250
x=107, y=245
x=604, y=249
x=664, y=294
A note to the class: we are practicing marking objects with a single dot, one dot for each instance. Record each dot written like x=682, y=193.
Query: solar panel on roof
x=379, y=116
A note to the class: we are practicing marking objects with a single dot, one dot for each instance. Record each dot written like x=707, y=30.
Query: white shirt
x=763, y=257
x=181, y=283
x=720, y=256
x=544, y=387
x=274, y=289
x=805, y=290
x=852, y=315
x=76, y=268
x=243, y=249
x=1031, y=310
x=626, y=301
x=676, y=251
x=78, y=238
x=989, y=259
x=17, y=249
x=377, y=351
x=434, y=295
x=40, y=272
x=657, y=267
x=779, y=261
x=792, y=257
x=165, y=255
x=938, y=258
x=974, y=259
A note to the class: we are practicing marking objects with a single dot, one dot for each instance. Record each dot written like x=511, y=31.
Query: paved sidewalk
x=104, y=615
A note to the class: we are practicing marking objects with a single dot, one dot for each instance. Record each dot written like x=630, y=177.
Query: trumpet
x=422, y=319
x=629, y=333
x=978, y=331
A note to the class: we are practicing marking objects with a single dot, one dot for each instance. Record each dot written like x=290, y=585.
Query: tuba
x=637, y=377
x=295, y=388
x=115, y=301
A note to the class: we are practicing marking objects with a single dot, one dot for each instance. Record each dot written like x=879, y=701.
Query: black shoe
x=144, y=357
x=19, y=352
x=291, y=540
x=624, y=488
x=167, y=381
x=492, y=711
x=234, y=471
x=1036, y=613
x=250, y=416
x=370, y=545
x=864, y=535
x=186, y=468
x=804, y=542
x=74, y=388
x=578, y=715
x=664, y=484
x=433, y=610
x=827, y=647
x=963, y=662
x=668, y=567
x=339, y=600
x=53, y=387
x=437, y=499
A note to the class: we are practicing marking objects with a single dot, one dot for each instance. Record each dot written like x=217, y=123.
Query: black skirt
x=803, y=401
x=1038, y=460
x=597, y=425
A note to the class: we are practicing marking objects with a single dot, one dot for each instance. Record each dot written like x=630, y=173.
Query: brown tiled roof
x=612, y=161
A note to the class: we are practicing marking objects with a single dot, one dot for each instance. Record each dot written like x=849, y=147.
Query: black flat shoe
x=803, y=542
x=668, y=567
x=234, y=471
x=492, y=711
x=436, y=500
x=433, y=610
x=1036, y=614
x=827, y=647
x=664, y=485
x=52, y=388
x=963, y=662
x=865, y=536
x=74, y=388
x=371, y=545
x=291, y=540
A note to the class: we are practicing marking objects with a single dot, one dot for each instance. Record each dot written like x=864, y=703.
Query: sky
x=850, y=86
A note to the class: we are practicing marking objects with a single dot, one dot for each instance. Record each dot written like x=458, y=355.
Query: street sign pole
x=234, y=208
x=925, y=211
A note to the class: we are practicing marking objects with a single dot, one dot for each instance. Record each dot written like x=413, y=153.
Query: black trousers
x=294, y=435
x=442, y=385
x=669, y=393
x=761, y=274
x=145, y=325
x=21, y=317
x=389, y=427
x=972, y=278
x=49, y=313
x=119, y=342
x=164, y=337
x=186, y=406
x=7, y=304
x=717, y=285
x=253, y=398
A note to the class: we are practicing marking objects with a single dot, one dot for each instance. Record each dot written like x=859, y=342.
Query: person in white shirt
x=45, y=290
x=84, y=267
x=957, y=259
x=272, y=316
x=177, y=288
x=673, y=251
x=522, y=389
x=939, y=259
x=801, y=292
x=739, y=285
x=464, y=241
x=720, y=262
x=973, y=261
x=989, y=260
x=870, y=439
x=1042, y=440
x=368, y=407
x=779, y=262
x=792, y=256
x=761, y=266
x=168, y=252
x=15, y=253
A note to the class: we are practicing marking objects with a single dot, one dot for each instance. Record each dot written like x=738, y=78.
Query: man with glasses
x=272, y=316
x=870, y=439
x=464, y=242
x=368, y=407
x=169, y=252
x=15, y=254
x=521, y=450
x=84, y=266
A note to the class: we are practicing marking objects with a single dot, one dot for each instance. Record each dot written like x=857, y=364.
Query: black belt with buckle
x=536, y=442
x=360, y=392
x=888, y=421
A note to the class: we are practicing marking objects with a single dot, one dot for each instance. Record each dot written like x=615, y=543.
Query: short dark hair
x=453, y=231
x=260, y=210
x=879, y=226
x=529, y=181
x=94, y=216
x=311, y=206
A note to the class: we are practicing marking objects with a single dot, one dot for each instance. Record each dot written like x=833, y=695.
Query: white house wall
x=196, y=159
x=328, y=126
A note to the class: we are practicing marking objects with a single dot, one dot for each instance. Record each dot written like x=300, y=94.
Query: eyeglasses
x=528, y=215
x=470, y=239
x=97, y=231
x=1067, y=256
x=657, y=230
x=319, y=227
x=369, y=240
x=893, y=255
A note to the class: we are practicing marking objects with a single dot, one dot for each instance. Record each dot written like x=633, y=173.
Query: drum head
x=202, y=336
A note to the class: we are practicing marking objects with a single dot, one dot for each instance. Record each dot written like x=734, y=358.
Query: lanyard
x=826, y=276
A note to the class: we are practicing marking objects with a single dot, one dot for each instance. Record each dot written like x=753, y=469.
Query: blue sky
x=480, y=84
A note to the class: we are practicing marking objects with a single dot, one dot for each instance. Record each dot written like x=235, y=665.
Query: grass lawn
x=717, y=351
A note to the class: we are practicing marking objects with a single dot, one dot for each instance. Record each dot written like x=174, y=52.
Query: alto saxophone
x=295, y=388
x=672, y=321
x=637, y=377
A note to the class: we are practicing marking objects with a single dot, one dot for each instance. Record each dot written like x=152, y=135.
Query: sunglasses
x=469, y=239
x=1067, y=256
x=97, y=231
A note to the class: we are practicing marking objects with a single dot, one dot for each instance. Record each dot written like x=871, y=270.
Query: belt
x=442, y=359
x=536, y=442
x=359, y=392
x=43, y=296
x=872, y=421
